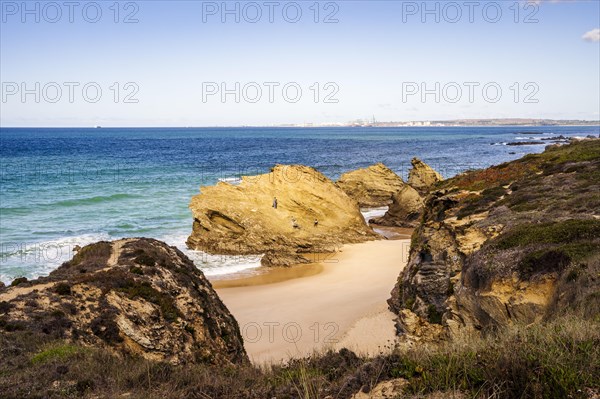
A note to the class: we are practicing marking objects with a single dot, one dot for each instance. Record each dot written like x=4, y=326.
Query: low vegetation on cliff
x=518, y=242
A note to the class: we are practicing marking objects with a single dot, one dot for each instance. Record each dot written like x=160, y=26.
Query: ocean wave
x=15, y=211
x=95, y=200
x=231, y=180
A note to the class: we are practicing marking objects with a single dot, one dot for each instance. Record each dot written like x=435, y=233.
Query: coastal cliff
x=135, y=296
x=290, y=211
x=514, y=243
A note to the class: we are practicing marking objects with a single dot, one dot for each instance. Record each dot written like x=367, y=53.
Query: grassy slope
x=554, y=360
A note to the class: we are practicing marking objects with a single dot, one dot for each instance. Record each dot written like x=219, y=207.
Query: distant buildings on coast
x=459, y=122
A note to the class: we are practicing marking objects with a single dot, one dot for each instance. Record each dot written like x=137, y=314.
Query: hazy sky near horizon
x=195, y=63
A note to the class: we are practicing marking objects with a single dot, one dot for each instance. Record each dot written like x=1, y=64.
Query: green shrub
x=433, y=315
x=550, y=233
x=19, y=280
x=62, y=289
x=59, y=352
x=136, y=270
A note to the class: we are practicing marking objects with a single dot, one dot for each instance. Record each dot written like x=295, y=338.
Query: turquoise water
x=67, y=187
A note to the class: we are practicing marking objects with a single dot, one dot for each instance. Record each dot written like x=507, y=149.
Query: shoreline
x=263, y=275
x=334, y=304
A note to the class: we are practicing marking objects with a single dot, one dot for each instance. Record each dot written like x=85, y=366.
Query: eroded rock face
x=312, y=215
x=515, y=243
x=371, y=187
x=422, y=176
x=405, y=210
x=137, y=296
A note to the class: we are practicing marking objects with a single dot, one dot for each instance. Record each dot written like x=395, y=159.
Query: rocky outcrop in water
x=405, y=210
x=422, y=176
x=371, y=187
x=515, y=243
x=407, y=203
x=136, y=296
x=312, y=214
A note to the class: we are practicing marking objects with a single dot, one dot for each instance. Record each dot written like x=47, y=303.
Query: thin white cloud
x=592, y=36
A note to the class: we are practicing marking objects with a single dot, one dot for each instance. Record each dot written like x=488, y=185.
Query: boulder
x=134, y=296
x=405, y=210
x=312, y=215
x=371, y=187
x=422, y=176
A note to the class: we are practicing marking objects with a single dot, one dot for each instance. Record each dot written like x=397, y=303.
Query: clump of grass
x=554, y=360
x=550, y=233
x=98, y=253
x=57, y=352
x=555, y=258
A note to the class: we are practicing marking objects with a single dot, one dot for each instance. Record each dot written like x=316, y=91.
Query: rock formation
x=518, y=242
x=138, y=296
x=312, y=215
x=371, y=187
x=405, y=210
x=422, y=176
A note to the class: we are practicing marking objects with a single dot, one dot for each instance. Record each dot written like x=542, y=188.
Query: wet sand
x=340, y=302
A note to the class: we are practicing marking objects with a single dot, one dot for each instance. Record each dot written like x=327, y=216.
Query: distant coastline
x=523, y=122
x=498, y=122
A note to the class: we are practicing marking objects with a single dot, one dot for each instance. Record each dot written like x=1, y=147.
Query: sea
x=63, y=187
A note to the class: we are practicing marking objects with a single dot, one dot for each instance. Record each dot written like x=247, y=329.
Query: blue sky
x=373, y=58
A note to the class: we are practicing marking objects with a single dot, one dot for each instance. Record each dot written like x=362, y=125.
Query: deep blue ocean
x=66, y=187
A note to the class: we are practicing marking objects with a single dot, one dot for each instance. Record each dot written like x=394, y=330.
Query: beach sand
x=340, y=302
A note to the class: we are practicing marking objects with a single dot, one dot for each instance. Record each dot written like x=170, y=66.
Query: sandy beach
x=340, y=302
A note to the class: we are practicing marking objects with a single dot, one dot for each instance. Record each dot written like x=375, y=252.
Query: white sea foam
x=214, y=265
x=35, y=259
x=370, y=213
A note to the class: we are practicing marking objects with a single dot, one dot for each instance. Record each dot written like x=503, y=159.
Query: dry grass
x=558, y=359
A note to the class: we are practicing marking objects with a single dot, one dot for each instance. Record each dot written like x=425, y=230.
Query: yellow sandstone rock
x=312, y=214
x=371, y=187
